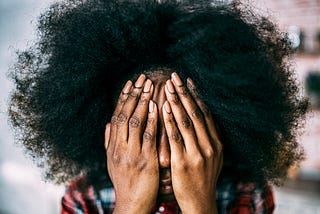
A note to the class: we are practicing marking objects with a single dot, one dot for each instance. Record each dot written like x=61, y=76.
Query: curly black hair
x=66, y=82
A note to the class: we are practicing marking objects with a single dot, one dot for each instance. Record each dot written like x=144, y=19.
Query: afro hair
x=66, y=82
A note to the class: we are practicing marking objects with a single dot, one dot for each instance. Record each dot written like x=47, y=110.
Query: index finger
x=120, y=102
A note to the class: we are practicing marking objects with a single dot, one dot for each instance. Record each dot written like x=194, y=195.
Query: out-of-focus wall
x=301, y=20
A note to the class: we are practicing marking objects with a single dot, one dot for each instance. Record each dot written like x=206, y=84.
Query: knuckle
x=183, y=91
x=148, y=137
x=141, y=165
x=122, y=99
x=116, y=158
x=134, y=122
x=134, y=94
x=122, y=118
x=143, y=100
x=196, y=114
x=205, y=110
x=186, y=122
x=182, y=166
x=114, y=119
x=195, y=93
x=169, y=120
x=130, y=163
x=198, y=161
x=209, y=152
x=176, y=137
x=136, y=163
x=174, y=99
x=193, y=90
x=150, y=121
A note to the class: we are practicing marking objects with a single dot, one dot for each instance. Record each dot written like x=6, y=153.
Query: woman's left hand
x=196, y=151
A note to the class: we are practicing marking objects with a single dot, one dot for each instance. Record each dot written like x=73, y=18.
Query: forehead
x=159, y=78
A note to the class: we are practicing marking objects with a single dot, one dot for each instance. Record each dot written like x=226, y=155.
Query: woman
x=206, y=122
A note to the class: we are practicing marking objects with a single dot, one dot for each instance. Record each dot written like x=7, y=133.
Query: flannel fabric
x=232, y=198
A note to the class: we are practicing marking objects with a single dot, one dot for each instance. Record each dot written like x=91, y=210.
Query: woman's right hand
x=130, y=142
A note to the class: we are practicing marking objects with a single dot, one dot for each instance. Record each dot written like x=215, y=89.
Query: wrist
x=120, y=209
x=201, y=208
x=131, y=207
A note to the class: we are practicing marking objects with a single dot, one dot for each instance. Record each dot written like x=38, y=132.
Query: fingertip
x=170, y=87
x=127, y=87
x=167, y=107
x=139, y=83
x=190, y=84
x=147, y=86
x=176, y=79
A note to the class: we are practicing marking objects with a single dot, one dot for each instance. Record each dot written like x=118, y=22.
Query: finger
x=149, y=145
x=182, y=119
x=212, y=127
x=121, y=100
x=123, y=97
x=137, y=121
x=107, y=136
x=175, y=139
x=128, y=109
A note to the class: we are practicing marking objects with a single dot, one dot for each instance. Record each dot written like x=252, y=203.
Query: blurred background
x=22, y=190
x=301, y=20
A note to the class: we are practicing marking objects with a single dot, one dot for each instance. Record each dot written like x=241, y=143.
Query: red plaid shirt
x=232, y=198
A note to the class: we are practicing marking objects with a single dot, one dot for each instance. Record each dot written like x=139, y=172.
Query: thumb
x=107, y=136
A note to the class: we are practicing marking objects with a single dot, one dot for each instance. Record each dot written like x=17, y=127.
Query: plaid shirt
x=232, y=198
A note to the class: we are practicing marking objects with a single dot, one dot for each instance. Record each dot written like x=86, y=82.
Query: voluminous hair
x=67, y=81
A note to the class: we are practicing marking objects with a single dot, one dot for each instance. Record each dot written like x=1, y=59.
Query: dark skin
x=154, y=151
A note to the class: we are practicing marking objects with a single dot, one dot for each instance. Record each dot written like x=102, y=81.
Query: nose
x=163, y=148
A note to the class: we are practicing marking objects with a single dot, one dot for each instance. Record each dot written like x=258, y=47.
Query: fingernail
x=147, y=86
x=167, y=107
x=151, y=106
x=190, y=83
x=176, y=79
x=127, y=87
x=140, y=81
x=170, y=86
